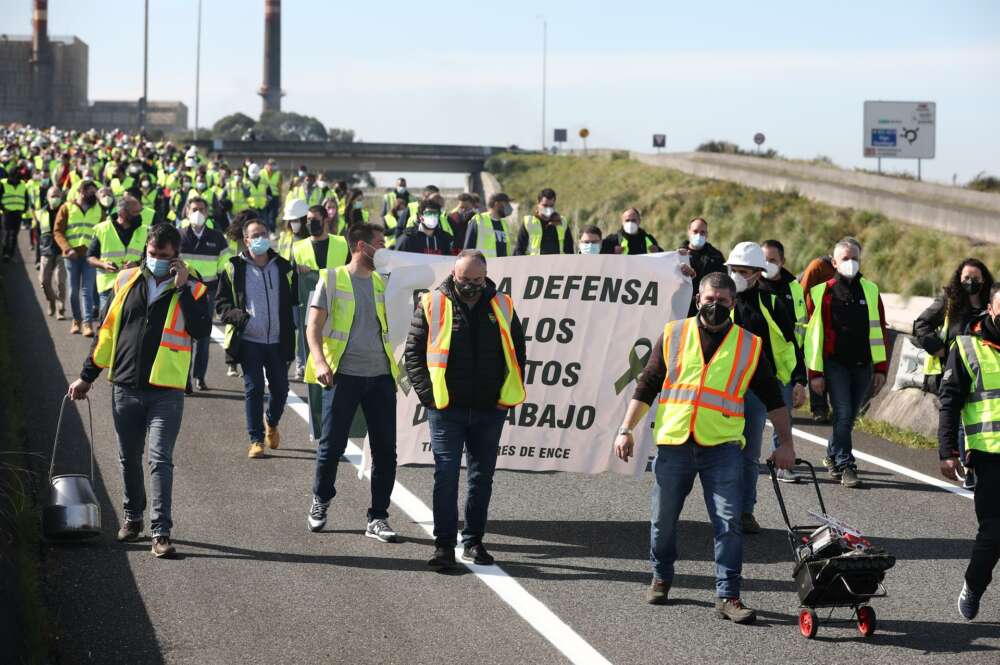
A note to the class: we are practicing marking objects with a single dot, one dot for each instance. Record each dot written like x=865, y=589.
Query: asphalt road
x=252, y=585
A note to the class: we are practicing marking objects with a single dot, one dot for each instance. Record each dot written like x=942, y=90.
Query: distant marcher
x=704, y=257
x=590, y=240
x=818, y=271
x=544, y=231
x=53, y=268
x=427, y=237
x=631, y=239
x=489, y=231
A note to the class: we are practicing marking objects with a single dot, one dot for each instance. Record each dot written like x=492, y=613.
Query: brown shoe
x=734, y=610
x=130, y=531
x=162, y=547
x=87, y=329
x=257, y=450
x=657, y=592
x=271, y=436
x=74, y=327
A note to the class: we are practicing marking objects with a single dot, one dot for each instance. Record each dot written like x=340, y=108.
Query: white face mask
x=740, y=280
x=430, y=221
x=697, y=240
x=631, y=228
x=197, y=219
x=547, y=211
x=321, y=184
x=107, y=201
x=590, y=248
x=296, y=226
x=848, y=268
x=772, y=270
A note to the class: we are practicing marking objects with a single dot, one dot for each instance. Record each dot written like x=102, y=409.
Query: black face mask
x=90, y=199
x=468, y=289
x=714, y=313
x=315, y=226
x=972, y=287
x=135, y=220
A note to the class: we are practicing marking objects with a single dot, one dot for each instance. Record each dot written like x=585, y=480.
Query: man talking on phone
x=145, y=340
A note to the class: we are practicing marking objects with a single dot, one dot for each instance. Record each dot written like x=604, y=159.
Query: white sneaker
x=380, y=530
x=788, y=476
x=317, y=514
x=232, y=371
x=300, y=373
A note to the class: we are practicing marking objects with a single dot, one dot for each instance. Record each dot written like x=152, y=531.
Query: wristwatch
x=624, y=431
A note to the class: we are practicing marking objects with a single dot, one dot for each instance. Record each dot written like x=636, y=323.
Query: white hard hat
x=253, y=171
x=192, y=151
x=749, y=255
x=295, y=209
x=190, y=163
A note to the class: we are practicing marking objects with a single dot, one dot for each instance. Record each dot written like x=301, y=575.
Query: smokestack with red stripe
x=271, y=90
x=41, y=64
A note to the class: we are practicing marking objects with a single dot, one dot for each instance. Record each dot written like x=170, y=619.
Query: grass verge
x=596, y=189
x=903, y=437
x=20, y=523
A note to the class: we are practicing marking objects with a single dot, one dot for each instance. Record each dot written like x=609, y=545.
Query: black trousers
x=11, y=227
x=986, y=550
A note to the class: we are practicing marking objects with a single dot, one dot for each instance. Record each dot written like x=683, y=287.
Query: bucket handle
x=55, y=443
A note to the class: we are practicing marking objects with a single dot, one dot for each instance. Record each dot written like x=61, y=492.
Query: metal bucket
x=73, y=512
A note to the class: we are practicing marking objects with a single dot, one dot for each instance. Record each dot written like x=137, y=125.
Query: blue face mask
x=590, y=248
x=159, y=267
x=259, y=246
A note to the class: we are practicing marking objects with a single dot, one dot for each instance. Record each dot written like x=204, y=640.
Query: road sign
x=584, y=133
x=758, y=138
x=902, y=130
x=659, y=140
x=559, y=136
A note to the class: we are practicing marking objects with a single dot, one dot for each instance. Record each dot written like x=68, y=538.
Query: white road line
x=532, y=610
x=892, y=466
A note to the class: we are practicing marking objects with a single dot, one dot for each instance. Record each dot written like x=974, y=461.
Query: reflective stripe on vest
x=783, y=351
x=80, y=225
x=815, y=331
x=438, y=311
x=340, y=317
x=305, y=254
x=486, y=239
x=699, y=400
x=173, y=356
x=801, y=312
x=981, y=412
x=114, y=251
x=534, y=227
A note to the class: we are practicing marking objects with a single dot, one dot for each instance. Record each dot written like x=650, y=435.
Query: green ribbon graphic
x=636, y=364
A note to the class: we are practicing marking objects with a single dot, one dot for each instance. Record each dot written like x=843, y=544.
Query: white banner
x=589, y=322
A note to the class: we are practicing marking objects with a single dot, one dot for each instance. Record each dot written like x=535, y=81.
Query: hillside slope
x=901, y=258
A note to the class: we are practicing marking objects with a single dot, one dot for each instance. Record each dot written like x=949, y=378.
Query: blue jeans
x=199, y=363
x=478, y=432
x=153, y=413
x=301, y=347
x=377, y=398
x=82, y=289
x=755, y=417
x=720, y=469
x=256, y=360
x=849, y=388
x=788, y=394
x=102, y=300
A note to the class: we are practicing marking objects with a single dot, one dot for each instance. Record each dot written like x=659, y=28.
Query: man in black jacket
x=466, y=384
x=705, y=259
x=970, y=399
x=257, y=293
x=148, y=401
x=427, y=237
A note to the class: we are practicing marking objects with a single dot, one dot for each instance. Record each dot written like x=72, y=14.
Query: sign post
x=659, y=142
x=899, y=130
x=559, y=136
x=759, y=139
x=584, y=133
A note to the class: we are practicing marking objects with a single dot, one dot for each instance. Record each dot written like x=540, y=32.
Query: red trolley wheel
x=808, y=623
x=867, y=621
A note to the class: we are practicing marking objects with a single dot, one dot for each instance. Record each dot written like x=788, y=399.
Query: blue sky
x=466, y=72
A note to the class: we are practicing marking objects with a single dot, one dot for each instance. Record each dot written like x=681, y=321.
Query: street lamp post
x=145, y=68
x=197, y=76
x=545, y=35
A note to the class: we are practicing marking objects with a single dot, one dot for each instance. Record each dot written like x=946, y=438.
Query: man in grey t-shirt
x=359, y=375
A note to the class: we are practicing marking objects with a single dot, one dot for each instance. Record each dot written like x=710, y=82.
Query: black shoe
x=201, y=385
x=968, y=603
x=821, y=418
x=444, y=558
x=749, y=523
x=831, y=468
x=477, y=554
x=187, y=388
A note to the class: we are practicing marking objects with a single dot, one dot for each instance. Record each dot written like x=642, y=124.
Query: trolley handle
x=55, y=442
x=781, y=499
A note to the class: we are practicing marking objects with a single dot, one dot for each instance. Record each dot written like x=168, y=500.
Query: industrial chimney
x=41, y=65
x=271, y=90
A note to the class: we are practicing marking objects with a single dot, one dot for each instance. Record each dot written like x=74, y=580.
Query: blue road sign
x=883, y=138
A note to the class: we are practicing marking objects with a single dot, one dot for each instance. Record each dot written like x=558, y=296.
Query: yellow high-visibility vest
x=704, y=402
x=340, y=316
x=486, y=240
x=981, y=413
x=815, y=330
x=173, y=357
x=305, y=253
x=534, y=227
x=438, y=310
x=80, y=225
x=113, y=250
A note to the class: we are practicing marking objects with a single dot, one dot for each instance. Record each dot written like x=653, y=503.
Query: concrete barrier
x=921, y=204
